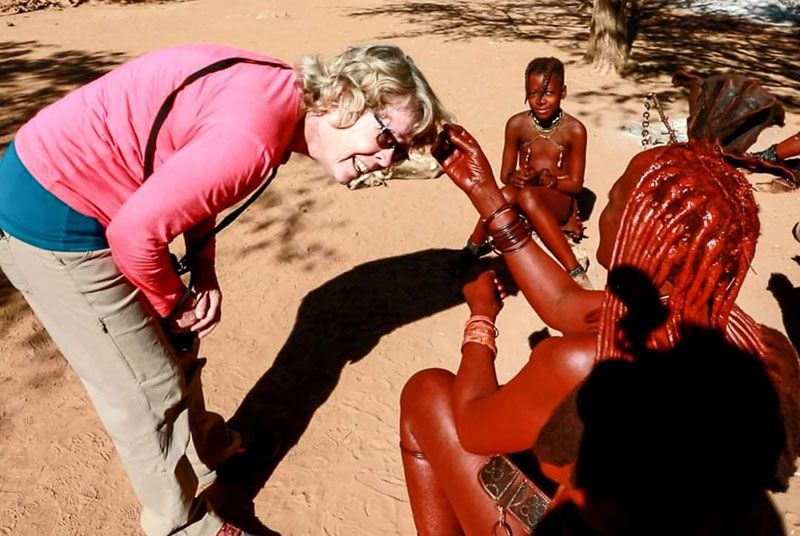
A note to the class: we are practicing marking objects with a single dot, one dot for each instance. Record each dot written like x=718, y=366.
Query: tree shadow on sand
x=668, y=37
x=31, y=81
x=21, y=6
x=670, y=40
x=13, y=310
x=337, y=324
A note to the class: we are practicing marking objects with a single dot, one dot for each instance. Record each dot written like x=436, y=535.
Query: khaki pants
x=110, y=337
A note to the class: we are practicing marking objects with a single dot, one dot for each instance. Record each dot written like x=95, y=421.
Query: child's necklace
x=547, y=131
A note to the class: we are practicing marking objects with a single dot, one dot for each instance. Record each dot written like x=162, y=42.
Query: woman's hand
x=464, y=162
x=202, y=310
x=208, y=298
x=183, y=317
x=485, y=295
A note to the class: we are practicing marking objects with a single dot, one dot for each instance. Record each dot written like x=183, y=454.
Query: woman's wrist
x=480, y=329
x=487, y=197
x=508, y=231
x=486, y=311
x=500, y=217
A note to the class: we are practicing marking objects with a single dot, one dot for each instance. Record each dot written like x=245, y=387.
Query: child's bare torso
x=544, y=148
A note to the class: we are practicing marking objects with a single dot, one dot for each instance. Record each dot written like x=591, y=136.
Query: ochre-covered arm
x=560, y=302
x=510, y=153
x=491, y=419
x=789, y=147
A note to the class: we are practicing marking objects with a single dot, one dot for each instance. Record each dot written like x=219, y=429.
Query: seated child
x=543, y=164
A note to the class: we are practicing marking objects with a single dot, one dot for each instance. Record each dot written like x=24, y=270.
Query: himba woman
x=685, y=218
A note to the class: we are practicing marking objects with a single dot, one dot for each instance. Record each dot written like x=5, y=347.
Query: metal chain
x=650, y=100
x=501, y=524
x=664, y=119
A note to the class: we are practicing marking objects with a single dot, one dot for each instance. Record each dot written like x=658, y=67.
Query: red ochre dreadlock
x=691, y=222
x=691, y=225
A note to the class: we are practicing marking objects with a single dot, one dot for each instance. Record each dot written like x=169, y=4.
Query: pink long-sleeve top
x=223, y=134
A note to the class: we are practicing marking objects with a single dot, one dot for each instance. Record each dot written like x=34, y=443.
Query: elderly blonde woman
x=95, y=187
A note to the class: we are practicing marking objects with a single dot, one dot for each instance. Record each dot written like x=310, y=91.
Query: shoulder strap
x=186, y=263
x=161, y=116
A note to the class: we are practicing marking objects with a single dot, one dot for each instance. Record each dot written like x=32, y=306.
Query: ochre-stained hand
x=485, y=294
x=464, y=162
x=547, y=179
x=462, y=159
x=524, y=177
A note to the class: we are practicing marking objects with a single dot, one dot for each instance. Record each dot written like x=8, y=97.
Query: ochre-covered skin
x=683, y=216
x=789, y=147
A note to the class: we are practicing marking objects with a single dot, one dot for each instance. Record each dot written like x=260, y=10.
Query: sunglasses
x=386, y=140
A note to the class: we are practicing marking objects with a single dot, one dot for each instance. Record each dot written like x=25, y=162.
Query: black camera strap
x=187, y=262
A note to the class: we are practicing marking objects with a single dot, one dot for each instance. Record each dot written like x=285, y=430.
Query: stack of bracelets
x=510, y=237
x=480, y=329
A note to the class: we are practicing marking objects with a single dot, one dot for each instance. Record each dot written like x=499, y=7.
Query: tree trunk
x=608, y=35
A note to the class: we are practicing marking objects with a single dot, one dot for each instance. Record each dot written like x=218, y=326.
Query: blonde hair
x=370, y=78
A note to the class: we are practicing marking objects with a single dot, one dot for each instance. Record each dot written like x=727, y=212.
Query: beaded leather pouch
x=512, y=492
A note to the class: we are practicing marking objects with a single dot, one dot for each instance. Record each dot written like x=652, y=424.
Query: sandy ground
x=333, y=298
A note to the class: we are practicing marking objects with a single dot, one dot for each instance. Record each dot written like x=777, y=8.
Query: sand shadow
x=337, y=324
x=32, y=80
x=12, y=306
x=13, y=310
x=788, y=298
x=28, y=7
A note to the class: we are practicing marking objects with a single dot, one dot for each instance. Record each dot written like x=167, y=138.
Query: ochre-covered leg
x=546, y=210
x=446, y=498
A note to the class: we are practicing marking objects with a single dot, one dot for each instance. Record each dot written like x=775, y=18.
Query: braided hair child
x=544, y=157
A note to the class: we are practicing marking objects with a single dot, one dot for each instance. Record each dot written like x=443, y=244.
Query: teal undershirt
x=35, y=216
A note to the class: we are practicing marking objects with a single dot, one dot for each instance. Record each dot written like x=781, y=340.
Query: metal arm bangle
x=480, y=333
x=485, y=320
x=511, y=237
x=502, y=209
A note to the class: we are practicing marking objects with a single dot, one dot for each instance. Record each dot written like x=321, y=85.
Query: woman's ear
x=336, y=119
x=564, y=91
